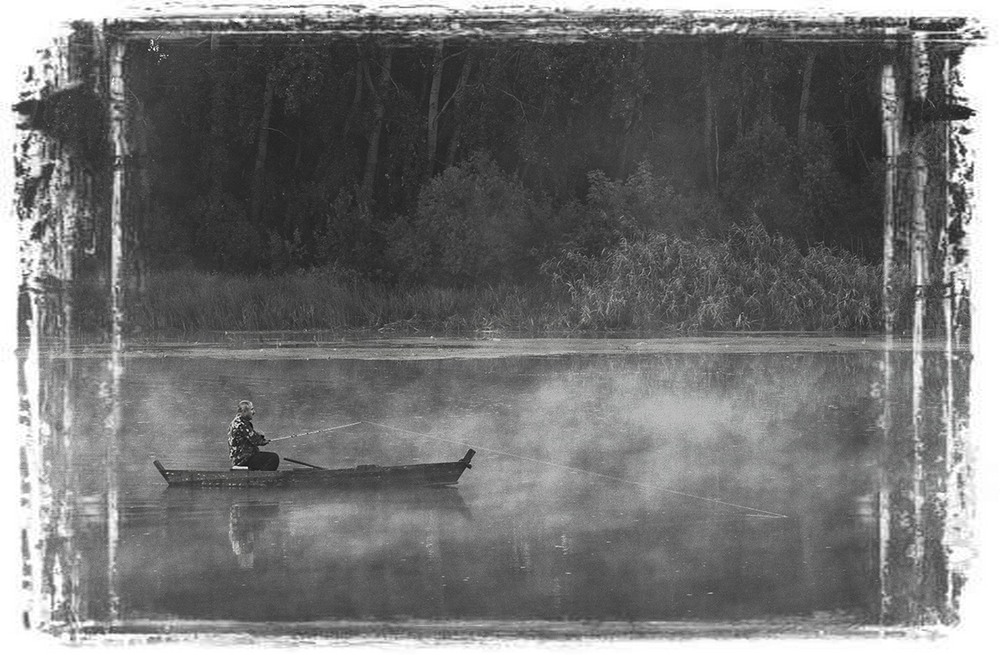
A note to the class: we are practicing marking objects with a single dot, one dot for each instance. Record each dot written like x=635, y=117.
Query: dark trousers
x=263, y=461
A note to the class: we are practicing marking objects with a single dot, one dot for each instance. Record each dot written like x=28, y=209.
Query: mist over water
x=615, y=487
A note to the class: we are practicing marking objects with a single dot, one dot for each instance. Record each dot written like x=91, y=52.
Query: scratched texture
x=69, y=181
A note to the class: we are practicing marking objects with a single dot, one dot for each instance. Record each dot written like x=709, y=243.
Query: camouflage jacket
x=243, y=440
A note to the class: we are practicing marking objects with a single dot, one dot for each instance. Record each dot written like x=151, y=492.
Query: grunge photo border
x=95, y=179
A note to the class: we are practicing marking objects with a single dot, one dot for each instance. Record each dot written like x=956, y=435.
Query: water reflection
x=280, y=555
x=674, y=486
x=246, y=521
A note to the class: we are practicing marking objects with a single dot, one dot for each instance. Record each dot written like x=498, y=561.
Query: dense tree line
x=454, y=161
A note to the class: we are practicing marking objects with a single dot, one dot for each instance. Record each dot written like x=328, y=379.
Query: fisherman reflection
x=246, y=522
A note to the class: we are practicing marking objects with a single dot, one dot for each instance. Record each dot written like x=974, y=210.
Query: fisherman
x=244, y=439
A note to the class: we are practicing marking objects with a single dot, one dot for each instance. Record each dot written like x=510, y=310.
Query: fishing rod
x=303, y=434
x=295, y=461
x=762, y=513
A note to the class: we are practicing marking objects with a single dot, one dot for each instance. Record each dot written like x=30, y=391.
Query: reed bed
x=748, y=280
x=317, y=300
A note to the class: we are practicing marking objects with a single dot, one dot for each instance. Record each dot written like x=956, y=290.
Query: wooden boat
x=364, y=475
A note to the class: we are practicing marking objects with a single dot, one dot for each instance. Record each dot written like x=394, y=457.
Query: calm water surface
x=614, y=487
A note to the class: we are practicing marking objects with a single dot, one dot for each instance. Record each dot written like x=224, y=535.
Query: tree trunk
x=709, y=121
x=432, y=106
x=923, y=454
x=359, y=81
x=257, y=192
x=766, y=99
x=807, y=72
x=634, y=115
x=891, y=134
x=300, y=137
x=118, y=255
x=741, y=109
x=137, y=194
x=216, y=135
x=371, y=160
x=463, y=80
x=623, y=152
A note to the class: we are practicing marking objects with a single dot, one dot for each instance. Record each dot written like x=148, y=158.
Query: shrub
x=625, y=209
x=473, y=223
x=795, y=188
x=758, y=177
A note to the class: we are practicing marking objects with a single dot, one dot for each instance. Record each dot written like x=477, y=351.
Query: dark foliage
x=279, y=155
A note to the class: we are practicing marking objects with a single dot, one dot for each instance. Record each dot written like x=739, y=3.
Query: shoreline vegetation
x=745, y=281
x=540, y=223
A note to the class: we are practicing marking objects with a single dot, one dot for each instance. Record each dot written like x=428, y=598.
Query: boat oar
x=295, y=461
x=302, y=434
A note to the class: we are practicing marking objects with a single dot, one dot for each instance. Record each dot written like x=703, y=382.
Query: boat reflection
x=256, y=554
x=251, y=518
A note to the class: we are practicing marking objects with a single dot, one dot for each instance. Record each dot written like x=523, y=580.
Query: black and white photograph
x=495, y=325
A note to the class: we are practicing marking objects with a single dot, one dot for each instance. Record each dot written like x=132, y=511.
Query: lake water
x=709, y=483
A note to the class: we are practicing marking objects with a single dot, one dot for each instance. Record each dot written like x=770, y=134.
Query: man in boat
x=244, y=439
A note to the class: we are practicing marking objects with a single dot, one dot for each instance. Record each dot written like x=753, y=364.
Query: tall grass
x=748, y=280
x=323, y=300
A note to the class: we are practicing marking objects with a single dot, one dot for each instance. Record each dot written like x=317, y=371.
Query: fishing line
x=761, y=513
x=303, y=434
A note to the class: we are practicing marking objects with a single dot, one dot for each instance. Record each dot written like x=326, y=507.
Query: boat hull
x=367, y=475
